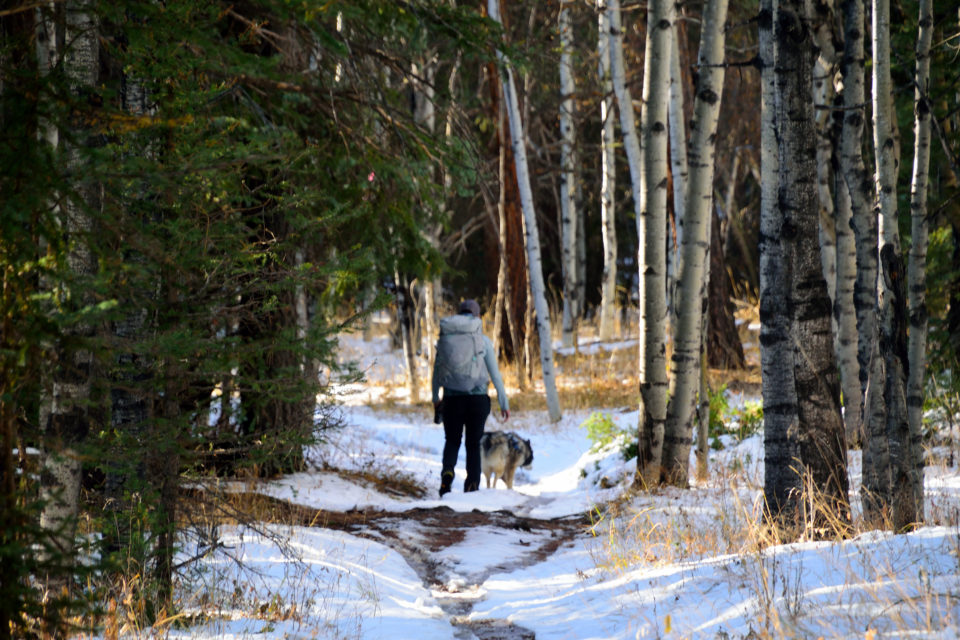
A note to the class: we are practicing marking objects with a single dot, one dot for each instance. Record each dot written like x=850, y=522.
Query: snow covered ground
x=677, y=564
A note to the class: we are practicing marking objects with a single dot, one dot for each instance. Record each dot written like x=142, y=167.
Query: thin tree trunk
x=724, y=349
x=823, y=96
x=569, y=214
x=64, y=411
x=900, y=489
x=917, y=267
x=652, y=366
x=608, y=300
x=844, y=312
x=698, y=215
x=860, y=189
x=531, y=233
x=781, y=453
x=679, y=168
x=404, y=325
x=651, y=231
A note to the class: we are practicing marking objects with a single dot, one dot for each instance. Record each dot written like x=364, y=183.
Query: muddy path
x=422, y=536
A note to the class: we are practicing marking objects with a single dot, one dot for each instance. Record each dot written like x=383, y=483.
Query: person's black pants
x=464, y=413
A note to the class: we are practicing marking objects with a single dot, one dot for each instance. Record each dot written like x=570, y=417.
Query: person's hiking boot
x=471, y=486
x=446, y=481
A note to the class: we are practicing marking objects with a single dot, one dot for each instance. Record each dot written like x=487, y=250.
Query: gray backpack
x=460, y=349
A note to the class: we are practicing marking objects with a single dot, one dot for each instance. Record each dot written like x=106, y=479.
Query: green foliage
x=739, y=423
x=274, y=173
x=603, y=432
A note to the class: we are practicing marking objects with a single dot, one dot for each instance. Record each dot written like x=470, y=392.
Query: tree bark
x=608, y=300
x=815, y=483
x=781, y=453
x=723, y=347
x=896, y=489
x=697, y=217
x=917, y=266
x=569, y=206
x=679, y=169
x=531, y=235
x=860, y=190
x=64, y=413
x=844, y=312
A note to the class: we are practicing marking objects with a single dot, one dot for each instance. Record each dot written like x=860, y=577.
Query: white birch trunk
x=651, y=230
x=822, y=98
x=691, y=285
x=425, y=116
x=63, y=412
x=917, y=267
x=678, y=163
x=779, y=392
x=401, y=293
x=608, y=300
x=845, y=315
x=628, y=126
x=568, y=185
x=531, y=239
x=900, y=489
x=860, y=190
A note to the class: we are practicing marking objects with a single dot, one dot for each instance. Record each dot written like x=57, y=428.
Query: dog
x=501, y=452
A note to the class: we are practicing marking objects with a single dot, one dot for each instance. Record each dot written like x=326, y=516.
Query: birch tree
x=569, y=213
x=64, y=412
x=776, y=353
x=812, y=450
x=916, y=268
x=894, y=485
x=608, y=170
x=531, y=238
x=697, y=216
x=651, y=230
x=678, y=165
x=844, y=312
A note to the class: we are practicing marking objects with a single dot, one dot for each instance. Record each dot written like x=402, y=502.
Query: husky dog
x=501, y=452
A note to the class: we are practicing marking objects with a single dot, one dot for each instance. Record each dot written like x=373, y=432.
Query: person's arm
x=490, y=359
x=435, y=384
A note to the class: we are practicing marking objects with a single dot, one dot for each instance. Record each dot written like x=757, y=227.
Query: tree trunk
x=679, y=169
x=781, y=453
x=652, y=414
x=531, y=235
x=723, y=347
x=402, y=296
x=608, y=300
x=513, y=334
x=64, y=414
x=896, y=490
x=816, y=483
x=860, y=190
x=844, y=312
x=823, y=96
x=917, y=267
x=697, y=217
x=569, y=213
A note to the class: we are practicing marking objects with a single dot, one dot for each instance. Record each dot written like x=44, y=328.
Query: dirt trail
x=434, y=530
x=441, y=527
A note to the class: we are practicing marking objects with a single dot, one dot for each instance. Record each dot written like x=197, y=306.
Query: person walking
x=465, y=364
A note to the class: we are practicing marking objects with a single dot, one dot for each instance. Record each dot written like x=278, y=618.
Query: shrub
x=602, y=431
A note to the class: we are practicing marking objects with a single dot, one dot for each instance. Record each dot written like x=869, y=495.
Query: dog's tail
x=486, y=443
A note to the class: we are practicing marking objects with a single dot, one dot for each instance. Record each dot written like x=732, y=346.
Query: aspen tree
x=608, y=300
x=691, y=284
x=531, y=238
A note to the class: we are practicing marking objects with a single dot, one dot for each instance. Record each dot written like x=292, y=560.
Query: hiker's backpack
x=460, y=349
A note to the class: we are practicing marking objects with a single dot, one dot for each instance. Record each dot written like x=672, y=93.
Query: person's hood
x=461, y=323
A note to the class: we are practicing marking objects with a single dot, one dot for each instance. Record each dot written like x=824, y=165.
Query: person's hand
x=504, y=415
